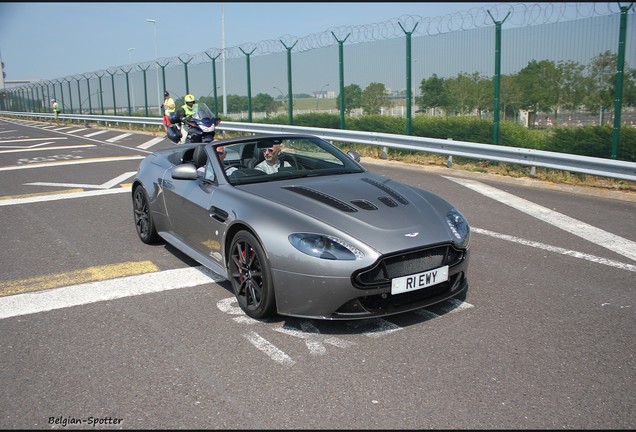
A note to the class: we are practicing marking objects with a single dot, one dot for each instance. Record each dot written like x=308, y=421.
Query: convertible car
x=316, y=235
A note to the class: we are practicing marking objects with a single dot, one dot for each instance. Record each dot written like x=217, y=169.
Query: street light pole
x=320, y=94
x=132, y=87
x=152, y=21
x=282, y=96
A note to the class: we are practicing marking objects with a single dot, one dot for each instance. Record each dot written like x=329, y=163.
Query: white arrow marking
x=107, y=185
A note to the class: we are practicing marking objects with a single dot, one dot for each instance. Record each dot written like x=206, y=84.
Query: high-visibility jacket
x=188, y=111
x=56, y=107
x=168, y=106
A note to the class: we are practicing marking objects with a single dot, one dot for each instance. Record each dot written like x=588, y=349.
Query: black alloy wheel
x=250, y=276
x=143, y=219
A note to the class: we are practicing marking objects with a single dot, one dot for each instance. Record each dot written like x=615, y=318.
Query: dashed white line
x=150, y=143
x=118, y=137
x=95, y=133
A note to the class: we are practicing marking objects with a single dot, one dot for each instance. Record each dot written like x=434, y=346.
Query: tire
x=143, y=219
x=251, y=277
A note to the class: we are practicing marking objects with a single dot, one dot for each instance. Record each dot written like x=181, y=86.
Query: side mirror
x=186, y=171
x=354, y=155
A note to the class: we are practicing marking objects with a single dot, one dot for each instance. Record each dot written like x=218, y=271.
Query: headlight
x=325, y=247
x=459, y=226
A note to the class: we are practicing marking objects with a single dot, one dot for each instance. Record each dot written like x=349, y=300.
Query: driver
x=185, y=111
x=272, y=161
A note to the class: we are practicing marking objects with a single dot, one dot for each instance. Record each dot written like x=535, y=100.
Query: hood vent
x=387, y=201
x=323, y=198
x=364, y=204
x=386, y=189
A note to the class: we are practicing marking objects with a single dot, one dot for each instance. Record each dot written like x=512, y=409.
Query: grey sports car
x=300, y=228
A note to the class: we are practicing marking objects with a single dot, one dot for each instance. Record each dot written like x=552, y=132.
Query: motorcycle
x=201, y=126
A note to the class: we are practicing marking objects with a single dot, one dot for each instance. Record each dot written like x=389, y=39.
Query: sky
x=43, y=41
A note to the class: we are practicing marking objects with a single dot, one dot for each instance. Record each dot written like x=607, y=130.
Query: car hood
x=384, y=214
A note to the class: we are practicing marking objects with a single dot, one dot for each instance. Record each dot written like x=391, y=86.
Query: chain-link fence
x=320, y=65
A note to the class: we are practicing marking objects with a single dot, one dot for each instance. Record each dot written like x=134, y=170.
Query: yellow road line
x=90, y=274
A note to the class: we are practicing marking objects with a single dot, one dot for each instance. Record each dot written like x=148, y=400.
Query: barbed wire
x=514, y=14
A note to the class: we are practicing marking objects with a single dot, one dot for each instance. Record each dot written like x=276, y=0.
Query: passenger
x=220, y=151
x=271, y=164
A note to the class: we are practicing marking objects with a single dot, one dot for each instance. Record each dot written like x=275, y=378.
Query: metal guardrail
x=515, y=155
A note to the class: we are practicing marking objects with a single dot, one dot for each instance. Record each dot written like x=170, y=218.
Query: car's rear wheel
x=250, y=276
x=143, y=219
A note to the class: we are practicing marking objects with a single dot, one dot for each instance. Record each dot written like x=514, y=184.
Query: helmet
x=52, y=100
x=166, y=94
x=174, y=134
x=172, y=117
x=189, y=98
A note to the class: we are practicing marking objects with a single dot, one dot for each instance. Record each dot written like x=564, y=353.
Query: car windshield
x=267, y=159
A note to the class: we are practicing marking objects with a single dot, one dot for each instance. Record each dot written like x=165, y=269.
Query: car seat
x=256, y=159
x=200, y=157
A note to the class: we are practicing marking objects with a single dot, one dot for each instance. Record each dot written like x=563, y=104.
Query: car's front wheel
x=143, y=219
x=250, y=276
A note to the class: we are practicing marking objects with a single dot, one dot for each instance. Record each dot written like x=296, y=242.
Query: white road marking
x=588, y=232
x=30, y=139
x=107, y=185
x=269, y=349
x=95, y=133
x=314, y=340
x=8, y=131
x=118, y=137
x=77, y=130
x=72, y=162
x=381, y=328
x=150, y=143
x=61, y=129
x=427, y=314
x=92, y=292
x=61, y=196
x=575, y=254
x=35, y=147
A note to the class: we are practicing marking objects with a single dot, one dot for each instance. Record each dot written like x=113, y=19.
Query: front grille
x=406, y=263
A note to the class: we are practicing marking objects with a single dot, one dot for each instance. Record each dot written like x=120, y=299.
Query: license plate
x=420, y=280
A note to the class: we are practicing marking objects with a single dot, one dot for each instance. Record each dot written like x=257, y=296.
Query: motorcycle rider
x=185, y=111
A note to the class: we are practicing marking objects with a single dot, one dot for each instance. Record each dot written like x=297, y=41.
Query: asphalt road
x=100, y=330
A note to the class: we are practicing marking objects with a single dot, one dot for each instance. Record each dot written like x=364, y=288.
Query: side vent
x=387, y=189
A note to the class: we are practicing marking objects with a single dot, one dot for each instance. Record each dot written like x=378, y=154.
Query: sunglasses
x=268, y=150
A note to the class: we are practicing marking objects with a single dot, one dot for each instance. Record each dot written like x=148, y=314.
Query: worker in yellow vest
x=56, y=111
x=168, y=107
